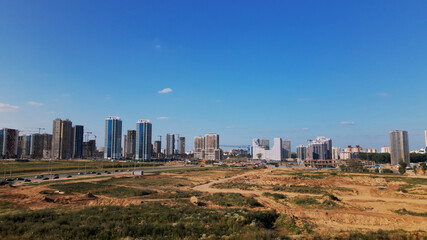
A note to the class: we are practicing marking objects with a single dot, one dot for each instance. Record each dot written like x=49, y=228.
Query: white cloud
x=166, y=90
x=305, y=129
x=383, y=94
x=347, y=123
x=162, y=118
x=4, y=107
x=35, y=104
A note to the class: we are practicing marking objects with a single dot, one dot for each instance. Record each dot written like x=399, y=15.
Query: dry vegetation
x=219, y=203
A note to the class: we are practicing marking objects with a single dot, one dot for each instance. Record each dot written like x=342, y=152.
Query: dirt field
x=332, y=202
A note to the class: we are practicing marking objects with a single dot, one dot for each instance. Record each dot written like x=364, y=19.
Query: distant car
x=46, y=178
x=87, y=173
x=27, y=180
x=93, y=172
x=98, y=173
x=121, y=170
x=55, y=177
x=108, y=172
x=19, y=179
x=116, y=170
x=69, y=176
x=10, y=179
x=105, y=171
x=39, y=177
x=80, y=173
x=3, y=183
x=129, y=170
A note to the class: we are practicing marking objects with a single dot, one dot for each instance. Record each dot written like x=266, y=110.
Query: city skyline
x=296, y=70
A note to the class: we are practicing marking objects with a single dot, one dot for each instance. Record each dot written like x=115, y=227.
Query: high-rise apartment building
x=199, y=147
x=47, y=145
x=301, y=153
x=78, y=132
x=262, y=152
x=320, y=149
x=212, y=150
x=113, y=138
x=8, y=142
x=264, y=143
x=143, y=140
x=26, y=146
x=385, y=149
x=170, y=145
x=286, y=149
x=157, y=147
x=181, y=145
x=399, y=145
x=62, y=139
x=130, y=144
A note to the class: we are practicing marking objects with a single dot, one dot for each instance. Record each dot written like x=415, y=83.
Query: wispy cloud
x=305, y=129
x=162, y=118
x=166, y=90
x=304, y=99
x=384, y=94
x=35, y=104
x=347, y=123
x=4, y=107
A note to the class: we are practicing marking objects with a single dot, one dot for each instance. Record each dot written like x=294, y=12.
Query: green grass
x=290, y=225
x=238, y=185
x=147, y=221
x=100, y=188
x=149, y=181
x=310, y=202
x=275, y=196
x=314, y=175
x=231, y=200
x=9, y=208
x=406, y=212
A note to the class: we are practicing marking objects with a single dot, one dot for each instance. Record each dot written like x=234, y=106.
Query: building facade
x=170, y=145
x=9, y=143
x=212, y=150
x=320, y=149
x=181, y=145
x=261, y=152
x=301, y=153
x=62, y=139
x=385, y=149
x=286, y=149
x=131, y=144
x=199, y=147
x=113, y=138
x=143, y=140
x=78, y=132
x=399, y=146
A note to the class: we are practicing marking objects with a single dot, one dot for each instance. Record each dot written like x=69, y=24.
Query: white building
x=385, y=149
x=336, y=153
x=261, y=152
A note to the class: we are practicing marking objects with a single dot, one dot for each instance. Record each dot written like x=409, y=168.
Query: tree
x=415, y=169
x=402, y=167
x=259, y=155
x=343, y=168
x=423, y=167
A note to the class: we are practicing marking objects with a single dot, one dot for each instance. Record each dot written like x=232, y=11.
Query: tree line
x=382, y=158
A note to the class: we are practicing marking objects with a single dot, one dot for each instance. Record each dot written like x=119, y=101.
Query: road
x=77, y=175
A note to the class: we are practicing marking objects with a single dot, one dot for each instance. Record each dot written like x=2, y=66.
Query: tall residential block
x=78, y=132
x=113, y=138
x=170, y=145
x=181, y=145
x=320, y=149
x=62, y=139
x=131, y=144
x=143, y=140
x=47, y=145
x=399, y=147
x=8, y=143
x=199, y=147
x=157, y=147
x=212, y=150
x=262, y=152
x=286, y=149
x=301, y=153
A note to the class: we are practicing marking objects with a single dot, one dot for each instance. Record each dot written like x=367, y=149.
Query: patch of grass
x=149, y=181
x=275, y=196
x=173, y=194
x=294, y=225
x=309, y=202
x=313, y=175
x=146, y=221
x=300, y=189
x=232, y=199
x=47, y=191
x=9, y=208
x=239, y=185
x=406, y=212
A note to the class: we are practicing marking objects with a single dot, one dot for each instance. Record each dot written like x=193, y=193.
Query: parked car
x=108, y=172
x=19, y=179
x=39, y=177
x=69, y=176
x=27, y=180
x=55, y=177
x=10, y=179
x=46, y=178
x=80, y=173
x=98, y=173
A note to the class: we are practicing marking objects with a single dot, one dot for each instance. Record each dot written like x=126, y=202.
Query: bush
x=276, y=196
x=232, y=199
x=300, y=189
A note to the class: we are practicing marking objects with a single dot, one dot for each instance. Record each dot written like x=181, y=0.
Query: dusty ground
x=364, y=205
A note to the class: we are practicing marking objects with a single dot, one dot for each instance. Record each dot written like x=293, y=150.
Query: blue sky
x=348, y=70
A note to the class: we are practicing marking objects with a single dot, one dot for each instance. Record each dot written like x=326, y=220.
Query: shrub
x=232, y=199
x=276, y=196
